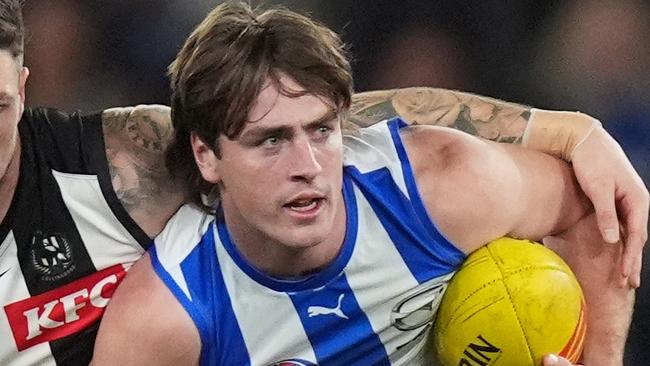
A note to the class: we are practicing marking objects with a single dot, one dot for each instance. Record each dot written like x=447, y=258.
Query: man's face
x=280, y=180
x=12, y=101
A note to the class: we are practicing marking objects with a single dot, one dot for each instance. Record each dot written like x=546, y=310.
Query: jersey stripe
x=446, y=249
x=425, y=257
x=210, y=301
x=326, y=315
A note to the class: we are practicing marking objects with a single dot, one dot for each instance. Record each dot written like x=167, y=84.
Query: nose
x=303, y=160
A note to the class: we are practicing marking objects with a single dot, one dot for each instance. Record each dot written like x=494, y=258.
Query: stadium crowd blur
x=589, y=55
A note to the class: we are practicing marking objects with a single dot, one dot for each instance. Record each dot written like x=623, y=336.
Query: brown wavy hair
x=223, y=65
x=12, y=29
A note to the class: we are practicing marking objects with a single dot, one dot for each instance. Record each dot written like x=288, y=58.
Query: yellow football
x=509, y=304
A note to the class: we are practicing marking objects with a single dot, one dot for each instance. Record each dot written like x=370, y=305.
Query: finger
x=636, y=234
x=602, y=197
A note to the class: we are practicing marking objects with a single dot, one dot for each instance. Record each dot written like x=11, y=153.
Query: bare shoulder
x=136, y=139
x=461, y=181
x=144, y=324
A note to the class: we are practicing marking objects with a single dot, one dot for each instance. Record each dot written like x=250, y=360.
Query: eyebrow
x=256, y=132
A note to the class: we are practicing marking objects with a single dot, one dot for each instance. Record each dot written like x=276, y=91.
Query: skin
x=603, y=171
x=304, y=152
x=135, y=139
x=446, y=163
x=12, y=100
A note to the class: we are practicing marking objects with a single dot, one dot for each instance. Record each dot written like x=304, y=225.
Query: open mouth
x=304, y=205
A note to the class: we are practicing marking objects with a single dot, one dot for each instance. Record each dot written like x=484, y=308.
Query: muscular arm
x=135, y=139
x=480, y=116
x=494, y=189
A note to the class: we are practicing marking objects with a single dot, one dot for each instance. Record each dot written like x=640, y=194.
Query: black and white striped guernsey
x=65, y=243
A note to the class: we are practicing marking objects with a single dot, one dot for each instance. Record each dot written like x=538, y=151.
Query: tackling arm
x=604, y=173
x=480, y=116
x=135, y=139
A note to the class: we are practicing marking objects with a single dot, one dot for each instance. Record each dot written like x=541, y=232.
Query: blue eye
x=270, y=141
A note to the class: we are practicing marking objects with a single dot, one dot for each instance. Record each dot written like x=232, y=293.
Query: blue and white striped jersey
x=373, y=305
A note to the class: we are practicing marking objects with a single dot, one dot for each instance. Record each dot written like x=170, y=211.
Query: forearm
x=609, y=305
x=485, y=117
x=609, y=312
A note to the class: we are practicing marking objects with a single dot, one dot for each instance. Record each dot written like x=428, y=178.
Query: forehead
x=273, y=107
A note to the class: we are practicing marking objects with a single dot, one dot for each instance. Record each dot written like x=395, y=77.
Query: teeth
x=303, y=205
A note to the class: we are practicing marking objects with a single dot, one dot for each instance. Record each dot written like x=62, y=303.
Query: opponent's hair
x=12, y=29
x=223, y=65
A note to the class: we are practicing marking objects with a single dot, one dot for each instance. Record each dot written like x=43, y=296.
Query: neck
x=283, y=261
x=9, y=181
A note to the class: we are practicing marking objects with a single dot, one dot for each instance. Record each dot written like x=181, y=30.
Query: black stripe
x=41, y=216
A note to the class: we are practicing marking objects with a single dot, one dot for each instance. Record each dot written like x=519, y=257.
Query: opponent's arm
x=135, y=139
x=609, y=306
x=480, y=116
x=604, y=172
x=145, y=324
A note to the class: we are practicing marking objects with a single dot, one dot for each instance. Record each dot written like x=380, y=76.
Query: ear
x=205, y=159
x=22, y=80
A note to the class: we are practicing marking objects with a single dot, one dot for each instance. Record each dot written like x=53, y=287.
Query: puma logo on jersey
x=322, y=310
x=63, y=311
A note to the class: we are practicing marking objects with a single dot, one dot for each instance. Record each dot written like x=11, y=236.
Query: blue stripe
x=323, y=276
x=335, y=340
x=445, y=248
x=210, y=306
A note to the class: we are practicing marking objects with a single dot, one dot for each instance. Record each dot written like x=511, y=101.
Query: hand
x=553, y=360
x=618, y=194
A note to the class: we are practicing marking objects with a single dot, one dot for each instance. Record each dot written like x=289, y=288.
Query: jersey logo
x=418, y=307
x=52, y=256
x=63, y=311
x=5, y=272
x=322, y=310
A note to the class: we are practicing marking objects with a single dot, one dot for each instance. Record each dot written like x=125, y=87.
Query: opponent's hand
x=553, y=360
x=618, y=194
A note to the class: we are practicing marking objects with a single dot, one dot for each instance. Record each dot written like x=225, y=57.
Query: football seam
x=503, y=278
x=514, y=309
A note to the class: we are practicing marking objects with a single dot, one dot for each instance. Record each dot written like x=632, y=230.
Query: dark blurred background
x=587, y=55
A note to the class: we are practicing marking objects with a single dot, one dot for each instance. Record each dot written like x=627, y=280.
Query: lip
x=306, y=215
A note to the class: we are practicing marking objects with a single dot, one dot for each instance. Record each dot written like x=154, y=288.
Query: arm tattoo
x=480, y=116
x=135, y=140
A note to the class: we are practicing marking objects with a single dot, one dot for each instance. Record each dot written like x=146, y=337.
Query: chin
x=304, y=239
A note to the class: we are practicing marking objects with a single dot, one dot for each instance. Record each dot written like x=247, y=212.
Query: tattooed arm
x=135, y=139
x=479, y=116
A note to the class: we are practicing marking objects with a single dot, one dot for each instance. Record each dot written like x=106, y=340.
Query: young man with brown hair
x=317, y=236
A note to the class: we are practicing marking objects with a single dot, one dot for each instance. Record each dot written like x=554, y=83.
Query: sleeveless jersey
x=66, y=242
x=373, y=305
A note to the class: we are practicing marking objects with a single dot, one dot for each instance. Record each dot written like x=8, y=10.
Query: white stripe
x=106, y=239
x=181, y=235
x=374, y=250
x=257, y=307
x=13, y=289
x=373, y=149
